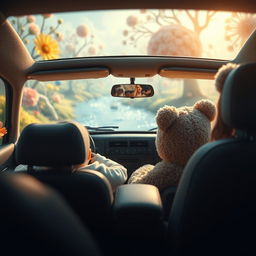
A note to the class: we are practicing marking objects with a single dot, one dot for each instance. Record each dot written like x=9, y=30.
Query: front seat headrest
x=61, y=144
x=238, y=104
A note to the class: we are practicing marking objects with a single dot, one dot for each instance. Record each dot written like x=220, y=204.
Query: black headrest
x=61, y=144
x=238, y=104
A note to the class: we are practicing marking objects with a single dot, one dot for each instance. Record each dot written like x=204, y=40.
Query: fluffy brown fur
x=180, y=132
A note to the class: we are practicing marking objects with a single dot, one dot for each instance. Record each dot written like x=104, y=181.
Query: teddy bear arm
x=138, y=175
x=163, y=175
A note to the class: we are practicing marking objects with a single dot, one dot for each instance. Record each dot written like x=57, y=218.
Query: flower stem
x=42, y=27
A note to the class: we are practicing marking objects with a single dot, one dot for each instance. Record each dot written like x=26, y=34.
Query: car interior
x=110, y=66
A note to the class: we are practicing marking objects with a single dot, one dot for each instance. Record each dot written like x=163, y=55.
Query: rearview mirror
x=132, y=90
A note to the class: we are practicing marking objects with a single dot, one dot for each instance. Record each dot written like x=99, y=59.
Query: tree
x=171, y=37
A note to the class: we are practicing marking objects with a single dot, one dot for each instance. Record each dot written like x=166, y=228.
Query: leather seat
x=49, y=151
x=214, y=209
x=35, y=220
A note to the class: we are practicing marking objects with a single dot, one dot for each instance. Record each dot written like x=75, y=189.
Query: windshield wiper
x=153, y=129
x=102, y=128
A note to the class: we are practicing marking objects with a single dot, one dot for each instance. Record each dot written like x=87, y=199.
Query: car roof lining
x=17, y=7
x=124, y=66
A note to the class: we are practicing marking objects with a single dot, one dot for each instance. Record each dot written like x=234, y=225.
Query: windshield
x=90, y=102
x=209, y=34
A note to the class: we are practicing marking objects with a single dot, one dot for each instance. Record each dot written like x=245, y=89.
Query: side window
x=2, y=109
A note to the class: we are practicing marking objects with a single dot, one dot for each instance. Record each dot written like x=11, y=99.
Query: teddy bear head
x=181, y=131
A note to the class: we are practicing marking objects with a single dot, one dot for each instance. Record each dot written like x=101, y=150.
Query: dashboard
x=132, y=150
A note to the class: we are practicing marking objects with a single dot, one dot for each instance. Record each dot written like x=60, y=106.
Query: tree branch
x=50, y=106
x=174, y=16
x=81, y=48
x=34, y=84
x=208, y=18
x=145, y=30
x=157, y=18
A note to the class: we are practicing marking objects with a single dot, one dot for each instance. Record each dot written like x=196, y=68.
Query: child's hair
x=220, y=129
x=120, y=91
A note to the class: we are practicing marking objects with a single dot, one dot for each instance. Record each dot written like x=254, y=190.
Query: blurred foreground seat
x=35, y=220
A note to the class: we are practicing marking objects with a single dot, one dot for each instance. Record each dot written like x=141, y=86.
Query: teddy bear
x=181, y=131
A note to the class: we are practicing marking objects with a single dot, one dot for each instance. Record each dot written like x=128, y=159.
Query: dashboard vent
x=139, y=143
x=118, y=143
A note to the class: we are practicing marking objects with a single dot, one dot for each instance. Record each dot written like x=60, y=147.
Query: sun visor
x=69, y=74
x=187, y=73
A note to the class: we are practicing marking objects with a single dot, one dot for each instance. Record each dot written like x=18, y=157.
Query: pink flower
x=30, y=97
x=70, y=47
x=33, y=29
x=47, y=15
x=92, y=50
x=174, y=40
x=143, y=11
x=31, y=19
x=125, y=32
x=36, y=113
x=149, y=18
x=56, y=98
x=230, y=48
x=82, y=30
x=132, y=21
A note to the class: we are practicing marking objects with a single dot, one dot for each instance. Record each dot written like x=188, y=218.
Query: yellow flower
x=47, y=47
x=52, y=87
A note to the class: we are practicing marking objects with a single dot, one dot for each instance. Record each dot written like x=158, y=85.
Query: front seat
x=49, y=151
x=214, y=209
x=35, y=220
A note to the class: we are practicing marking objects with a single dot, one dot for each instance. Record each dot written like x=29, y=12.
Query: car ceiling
x=14, y=7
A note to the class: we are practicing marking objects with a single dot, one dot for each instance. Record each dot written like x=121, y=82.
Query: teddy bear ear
x=222, y=74
x=206, y=107
x=166, y=116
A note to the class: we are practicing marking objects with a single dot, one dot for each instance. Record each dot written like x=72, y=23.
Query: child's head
x=120, y=91
x=146, y=90
x=138, y=88
x=220, y=129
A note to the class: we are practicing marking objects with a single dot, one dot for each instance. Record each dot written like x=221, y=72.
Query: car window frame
x=8, y=110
